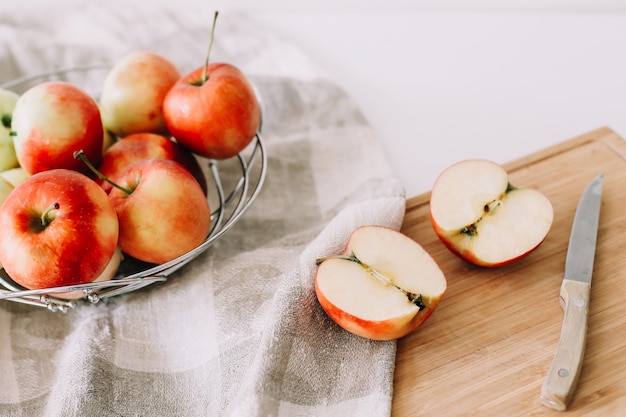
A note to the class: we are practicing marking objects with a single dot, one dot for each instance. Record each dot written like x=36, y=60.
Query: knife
x=558, y=387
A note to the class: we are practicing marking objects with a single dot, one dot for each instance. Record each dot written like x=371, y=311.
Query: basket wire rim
x=240, y=193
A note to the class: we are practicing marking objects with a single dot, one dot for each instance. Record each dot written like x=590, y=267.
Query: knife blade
x=560, y=383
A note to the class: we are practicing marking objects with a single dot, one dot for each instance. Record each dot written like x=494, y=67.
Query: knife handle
x=560, y=383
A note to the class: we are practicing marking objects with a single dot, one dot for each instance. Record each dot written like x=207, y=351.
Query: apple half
x=383, y=287
x=482, y=218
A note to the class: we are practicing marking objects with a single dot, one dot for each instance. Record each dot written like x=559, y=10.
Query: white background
x=445, y=80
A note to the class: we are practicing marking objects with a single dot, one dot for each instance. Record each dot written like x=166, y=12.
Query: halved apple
x=482, y=218
x=383, y=287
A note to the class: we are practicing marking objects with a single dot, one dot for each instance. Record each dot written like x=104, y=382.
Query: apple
x=108, y=274
x=482, y=218
x=138, y=146
x=213, y=110
x=162, y=210
x=8, y=159
x=15, y=176
x=58, y=228
x=108, y=140
x=215, y=118
x=383, y=287
x=132, y=94
x=5, y=189
x=51, y=121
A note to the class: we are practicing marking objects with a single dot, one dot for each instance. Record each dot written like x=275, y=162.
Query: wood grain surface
x=487, y=348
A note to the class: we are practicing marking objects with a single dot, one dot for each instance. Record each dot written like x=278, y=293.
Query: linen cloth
x=238, y=331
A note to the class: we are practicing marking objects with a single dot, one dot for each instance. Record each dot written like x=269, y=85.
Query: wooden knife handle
x=558, y=387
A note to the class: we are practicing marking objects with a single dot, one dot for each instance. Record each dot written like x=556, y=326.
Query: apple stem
x=205, y=72
x=413, y=298
x=81, y=155
x=45, y=216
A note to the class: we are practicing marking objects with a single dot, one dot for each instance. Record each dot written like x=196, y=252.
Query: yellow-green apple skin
x=15, y=176
x=8, y=159
x=58, y=228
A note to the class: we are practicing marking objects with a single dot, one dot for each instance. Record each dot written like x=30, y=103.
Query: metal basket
x=233, y=184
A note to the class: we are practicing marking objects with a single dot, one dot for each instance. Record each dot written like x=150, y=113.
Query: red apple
x=162, y=210
x=58, y=228
x=383, y=287
x=5, y=189
x=217, y=116
x=133, y=92
x=485, y=220
x=138, y=146
x=51, y=121
x=109, y=273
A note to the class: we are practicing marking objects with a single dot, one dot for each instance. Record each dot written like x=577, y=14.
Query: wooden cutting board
x=488, y=346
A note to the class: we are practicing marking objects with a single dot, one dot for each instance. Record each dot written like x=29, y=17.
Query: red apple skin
x=216, y=119
x=78, y=242
x=138, y=146
x=376, y=330
x=50, y=122
x=165, y=216
x=133, y=92
x=108, y=274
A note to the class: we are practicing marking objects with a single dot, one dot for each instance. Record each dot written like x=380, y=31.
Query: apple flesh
x=133, y=92
x=216, y=117
x=162, y=210
x=51, y=121
x=383, y=287
x=58, y=228
x=482, y=218
x=139, y=146
x=8, y=158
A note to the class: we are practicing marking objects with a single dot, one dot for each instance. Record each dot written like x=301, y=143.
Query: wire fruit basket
x=233, y=185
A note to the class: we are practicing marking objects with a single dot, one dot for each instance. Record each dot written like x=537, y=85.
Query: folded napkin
x=238, y=331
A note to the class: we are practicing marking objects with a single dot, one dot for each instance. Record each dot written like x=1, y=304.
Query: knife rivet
x=579, y=302
x=563, y=373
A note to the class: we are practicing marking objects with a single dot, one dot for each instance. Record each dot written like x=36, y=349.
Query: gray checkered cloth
x=238, y=331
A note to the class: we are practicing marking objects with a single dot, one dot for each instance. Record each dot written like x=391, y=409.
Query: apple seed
x=472, y=229
x=412, y=297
